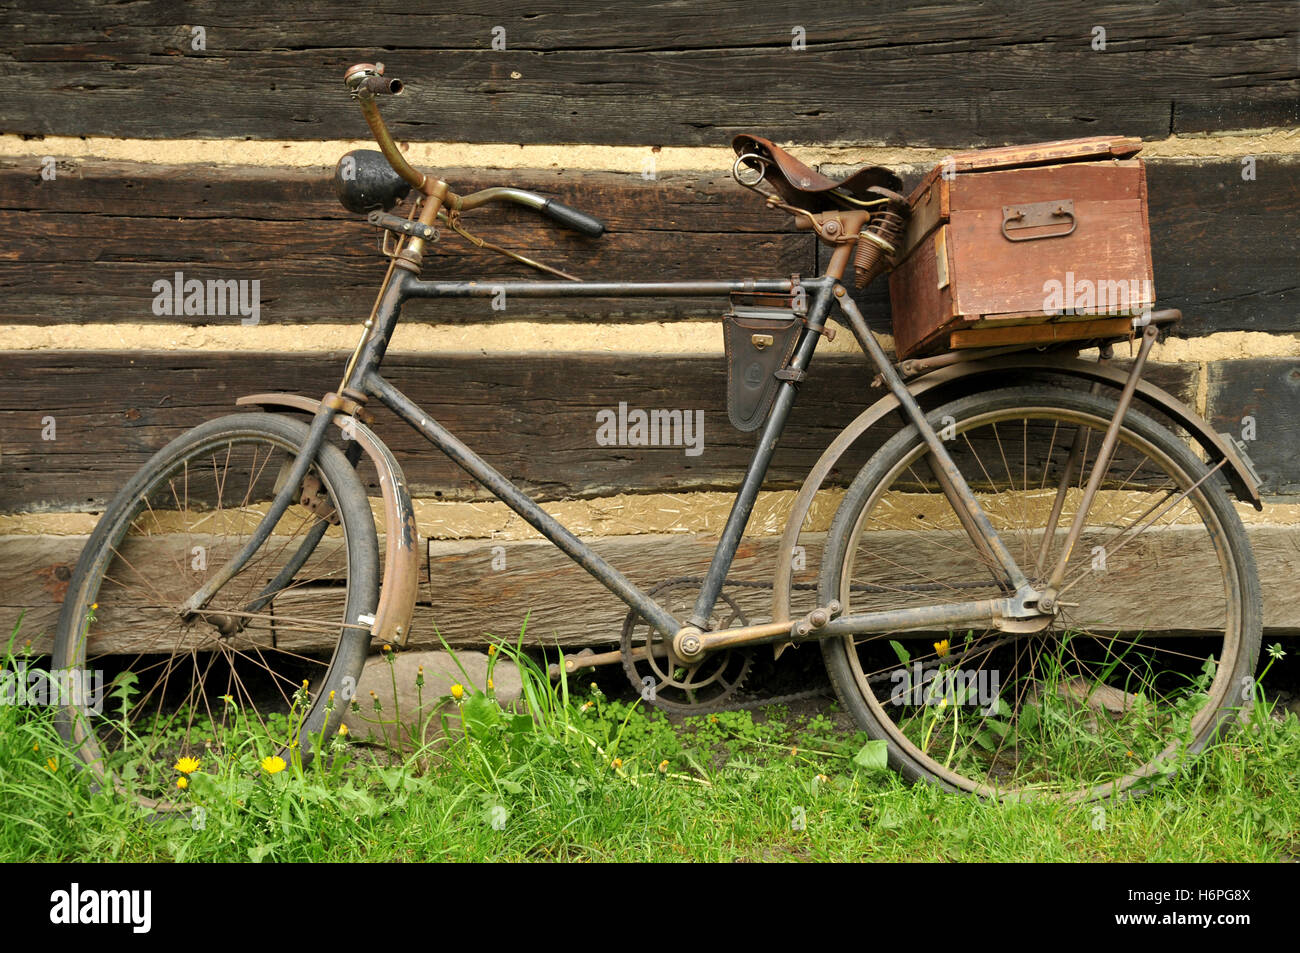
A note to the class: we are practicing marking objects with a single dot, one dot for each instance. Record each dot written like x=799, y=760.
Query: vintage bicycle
x=1037, y=586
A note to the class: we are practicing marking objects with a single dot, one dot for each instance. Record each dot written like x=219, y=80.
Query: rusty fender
x=1237, y=470
x=401, y=578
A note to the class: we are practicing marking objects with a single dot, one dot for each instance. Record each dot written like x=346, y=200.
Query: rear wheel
x=1159, y=623
x=278, y=649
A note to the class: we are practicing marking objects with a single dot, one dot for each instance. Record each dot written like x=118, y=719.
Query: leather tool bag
x=759, y=342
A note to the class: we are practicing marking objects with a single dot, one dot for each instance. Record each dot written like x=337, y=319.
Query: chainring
x=665, y=681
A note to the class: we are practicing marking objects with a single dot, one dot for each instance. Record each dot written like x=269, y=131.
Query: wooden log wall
x=91, y=224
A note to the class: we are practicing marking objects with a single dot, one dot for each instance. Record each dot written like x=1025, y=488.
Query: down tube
x=517, y=500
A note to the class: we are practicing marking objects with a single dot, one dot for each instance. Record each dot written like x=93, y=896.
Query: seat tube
x=743, y=507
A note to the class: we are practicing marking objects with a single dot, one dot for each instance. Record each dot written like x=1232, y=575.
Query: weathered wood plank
x=106, y=231
x=465, y=599
x=973, y=73
x=533, y=417
x=1258, y=402
x=90, y=244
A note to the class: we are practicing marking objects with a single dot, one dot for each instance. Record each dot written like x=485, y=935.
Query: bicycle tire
x=1104, y=701
x=113, y=602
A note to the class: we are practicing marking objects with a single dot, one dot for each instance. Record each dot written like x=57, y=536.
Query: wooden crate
x=1039, y=243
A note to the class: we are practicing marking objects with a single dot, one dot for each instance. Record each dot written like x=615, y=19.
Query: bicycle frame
x=691, y=639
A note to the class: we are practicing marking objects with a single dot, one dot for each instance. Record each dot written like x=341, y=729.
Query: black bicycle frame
x=363, y=378
x=821, y=291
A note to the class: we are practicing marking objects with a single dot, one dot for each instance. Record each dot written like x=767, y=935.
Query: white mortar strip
x=523, y=337
x=702, y=512
x=629, y=159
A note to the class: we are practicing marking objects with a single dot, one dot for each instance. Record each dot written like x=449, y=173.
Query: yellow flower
x=387, y=648
x=273, y=765
x=618, y=763
x=94, y=605
x=492, y=650
x=941, y=648
x=343, y=730
x=458, y=691
x=187, y=765
x=794, y=751
x=36, y=746
x=822, y=779
x=52, y=763
x=663, y=766
x=182, y=783
x=943, y=702
x=490, y=685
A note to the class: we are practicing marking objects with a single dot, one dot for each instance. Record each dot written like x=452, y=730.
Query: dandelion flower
x=943, y=702
x=941, y=648
x=182, y=783
x=492, y=650
x=618, y=763
x=490, y=685
x=52, y=763
x=821, y=778
x=386, y=649
x=343, y=730
x=793, y=752
x=458, y=691
x=187, y=765
x=273, y=764
x=36, y=746
x=663, y=766
x=94, y=605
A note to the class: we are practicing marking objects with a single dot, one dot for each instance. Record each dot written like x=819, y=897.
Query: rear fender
x=962, y=378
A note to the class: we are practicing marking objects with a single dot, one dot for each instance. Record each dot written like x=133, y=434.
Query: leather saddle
x=804, y=188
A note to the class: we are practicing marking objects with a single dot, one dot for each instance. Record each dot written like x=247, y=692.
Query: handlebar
x=366, y=80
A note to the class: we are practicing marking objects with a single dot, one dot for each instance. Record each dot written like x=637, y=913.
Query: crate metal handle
x=1036, y=215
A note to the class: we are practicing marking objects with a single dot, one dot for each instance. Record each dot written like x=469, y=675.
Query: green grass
x=586, y=777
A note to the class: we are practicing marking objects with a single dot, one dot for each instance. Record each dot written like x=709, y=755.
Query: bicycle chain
x=706, y=709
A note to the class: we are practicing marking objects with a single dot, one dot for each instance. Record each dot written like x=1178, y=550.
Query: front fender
x=960, y=377
x=401, y=580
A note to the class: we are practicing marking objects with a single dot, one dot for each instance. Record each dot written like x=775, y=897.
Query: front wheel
x=1159, y=620
x=273, y=657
